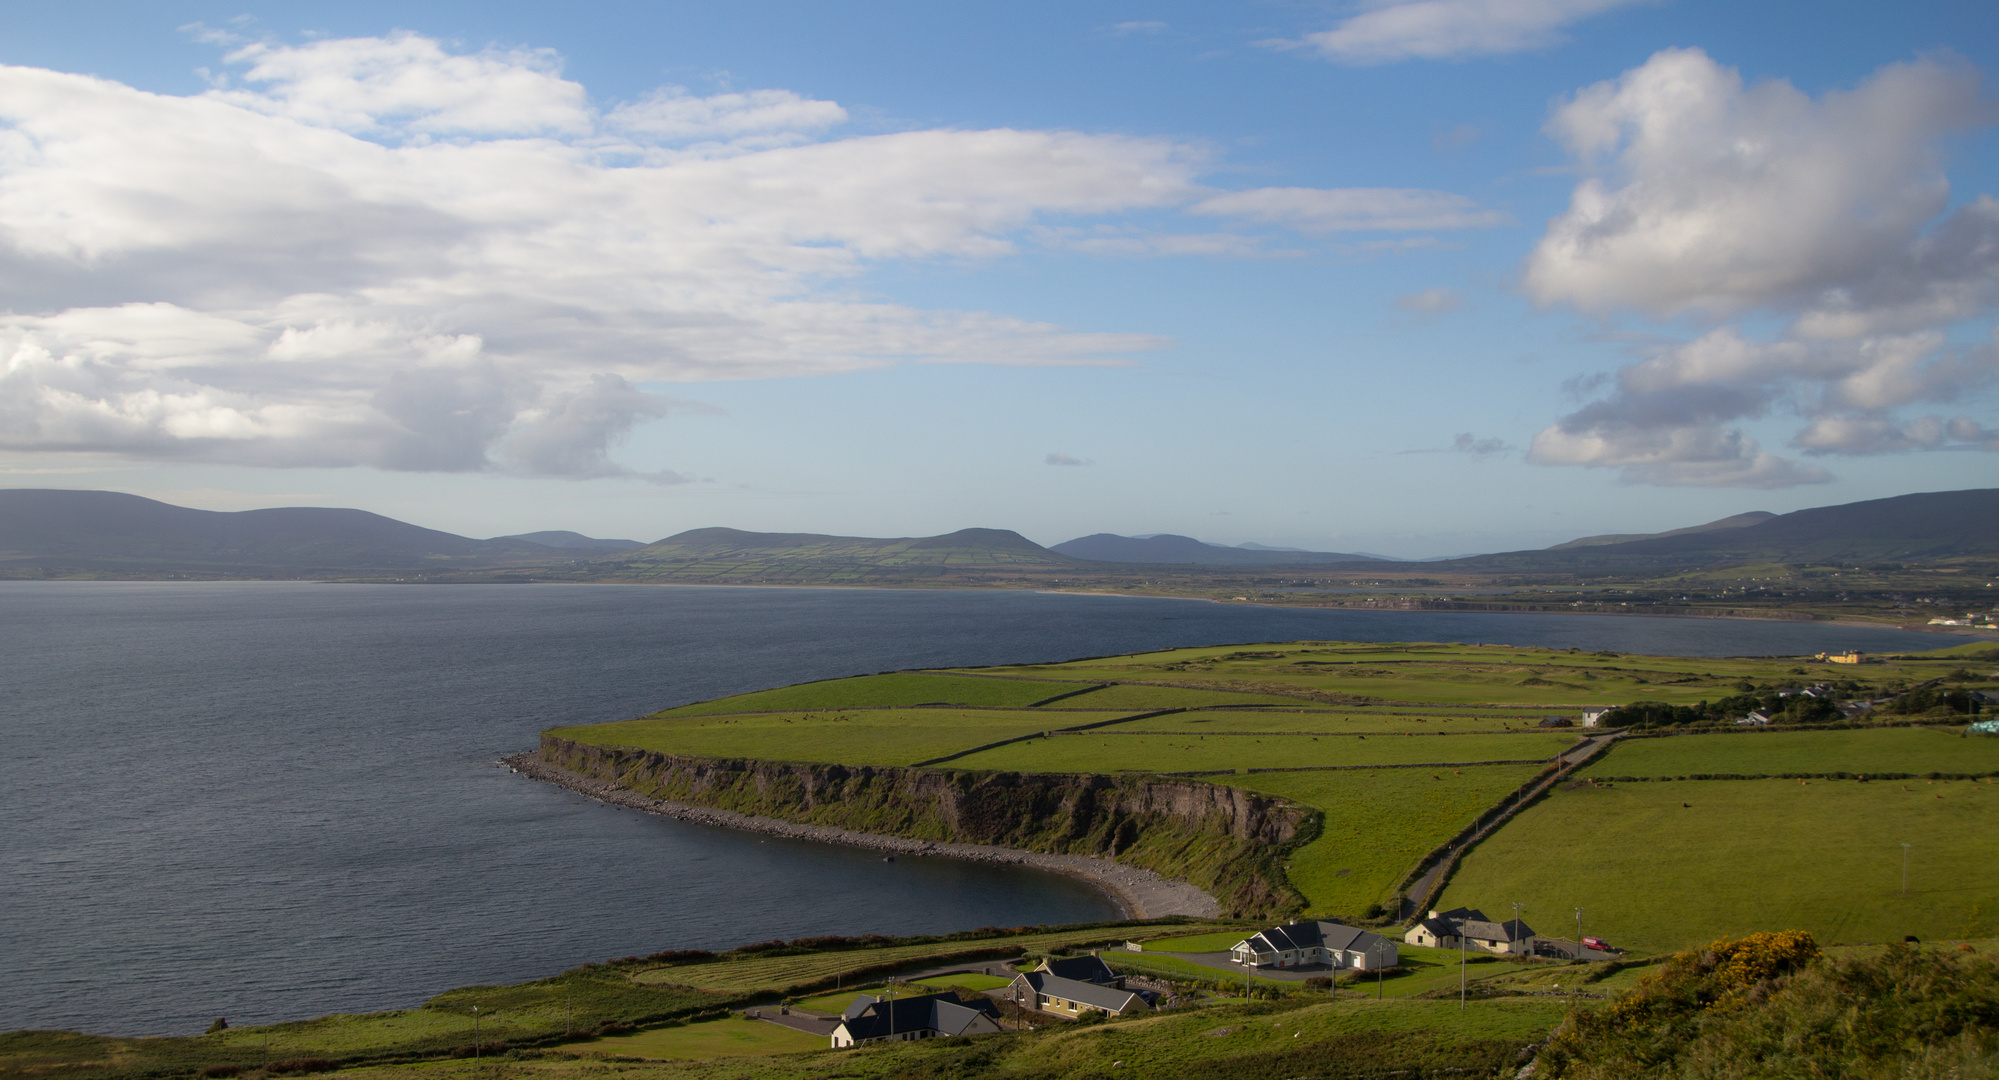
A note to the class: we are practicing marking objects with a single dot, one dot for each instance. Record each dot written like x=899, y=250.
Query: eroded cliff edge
x=1228, y=841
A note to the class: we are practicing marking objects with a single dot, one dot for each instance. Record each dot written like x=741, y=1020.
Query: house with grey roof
x=1316, y=944
x=1088, y=969
x=1468, y=928
x=930, y=1016
x=1051, y=993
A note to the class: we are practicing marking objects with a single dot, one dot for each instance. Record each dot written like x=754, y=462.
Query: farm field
x=731, y=1036
x=852, y=737
x=1101, y=750
x=1378, y=824
x=838, y=1001
x=1327, y=721
x=900, y=689
x=1666, y=865
x=1141, y=698
x=1887, y=750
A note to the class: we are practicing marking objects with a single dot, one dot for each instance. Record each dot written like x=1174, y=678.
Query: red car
x=1596, y=943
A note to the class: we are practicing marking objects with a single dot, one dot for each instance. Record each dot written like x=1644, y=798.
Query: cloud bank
x=377, y=252
x=1708, y=199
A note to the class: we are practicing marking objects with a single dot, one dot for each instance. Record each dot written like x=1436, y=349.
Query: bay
x=271, y=801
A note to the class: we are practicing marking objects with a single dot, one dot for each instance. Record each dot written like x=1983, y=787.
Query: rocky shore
x=1138, y=893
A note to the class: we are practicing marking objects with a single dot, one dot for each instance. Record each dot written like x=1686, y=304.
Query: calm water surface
x=269, y=801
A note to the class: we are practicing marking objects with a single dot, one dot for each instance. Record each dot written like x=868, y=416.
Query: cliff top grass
x=845, y=736
x=1664, y=865
x=1109, y=749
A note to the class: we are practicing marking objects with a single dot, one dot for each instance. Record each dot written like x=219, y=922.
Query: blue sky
x=1421, y=278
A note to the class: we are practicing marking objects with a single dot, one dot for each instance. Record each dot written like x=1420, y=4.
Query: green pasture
x=1349, y=1037
x=1104, y=751
x=778, y=974
x=899, y=689
x=1665, y=865
x=1141, y=698
x=732, y=1036
x=1892, y=750
x=1331, y=721
x=1379, y=824
x=838, y=1001
x=855, y=737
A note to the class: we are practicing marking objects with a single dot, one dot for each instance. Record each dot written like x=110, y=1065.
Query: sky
x=1412, y=277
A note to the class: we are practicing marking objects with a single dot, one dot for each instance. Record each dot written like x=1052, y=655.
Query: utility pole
x=1905, y=869
x=475, y=1033
x=1517, y=905
x=1461, y=967
x=1579, y=933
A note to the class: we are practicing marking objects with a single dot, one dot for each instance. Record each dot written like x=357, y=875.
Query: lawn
x=732, y=1036
x=901, y=688
x=1378, y=824
x=1903, y=750
x=856, y=737
x=1107, y=751
x=1216, y=942
x=1665, y=865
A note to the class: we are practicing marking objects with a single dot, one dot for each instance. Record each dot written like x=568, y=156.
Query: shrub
x=300, y=1065
x=217, y=1072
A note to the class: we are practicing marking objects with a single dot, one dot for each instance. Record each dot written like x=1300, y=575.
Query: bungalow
x=1308, y=943
x=1087, y=969
x=931, y=1016
x=1052, y=993
x=1591, y=716
x=1468, y=928
x=1756, y=718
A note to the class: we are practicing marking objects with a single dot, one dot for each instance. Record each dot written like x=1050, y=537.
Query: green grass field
x=1139, y=698
x=1101, y=751
x=1670, y=864
x=902, y=688
x=838, y=1001
x=1892, y=750
x=732, y=1036
x=1378, y=824
x=1329, y=721
x=857, y=737
x=1216, y=942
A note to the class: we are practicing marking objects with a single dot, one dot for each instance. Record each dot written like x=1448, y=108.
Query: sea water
x=271, y=801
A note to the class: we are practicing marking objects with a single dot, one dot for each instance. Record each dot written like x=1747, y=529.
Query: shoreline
x=1135, y=892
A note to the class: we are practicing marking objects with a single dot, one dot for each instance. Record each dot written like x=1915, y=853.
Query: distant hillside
x=1187, y=551
x=114, y=532
x=573, y=541
x=1922, y=528
x=1739, y=521
x=732, y=555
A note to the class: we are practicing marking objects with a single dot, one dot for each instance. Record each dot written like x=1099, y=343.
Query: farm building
x=1469, y=928
x=1591, y=716
x=931, y=1016
x=1316, y=943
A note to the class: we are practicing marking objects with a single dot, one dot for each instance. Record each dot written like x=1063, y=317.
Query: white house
x=931, y=1016
x=1307, y=944
x=1591, y=716
x=1469, y=928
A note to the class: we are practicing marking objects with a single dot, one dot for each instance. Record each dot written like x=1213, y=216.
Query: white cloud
x=376, y=252
x=1451, y=29
x=1318, y=210
x=1707, y=197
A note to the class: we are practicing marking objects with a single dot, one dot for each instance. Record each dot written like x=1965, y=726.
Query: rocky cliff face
x=1223, y=839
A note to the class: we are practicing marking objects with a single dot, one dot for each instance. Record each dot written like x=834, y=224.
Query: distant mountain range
x=113, y=532
x=1187, y=551
x=58, y=532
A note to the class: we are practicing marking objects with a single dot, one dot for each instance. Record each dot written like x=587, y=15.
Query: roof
x=1313, y=935
x=1102, y=997
x=1510, y=930
x=1089, y=969
x=870, y=1018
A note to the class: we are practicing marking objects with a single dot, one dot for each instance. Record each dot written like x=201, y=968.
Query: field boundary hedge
x=1073, y=728
x=1841, y=775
